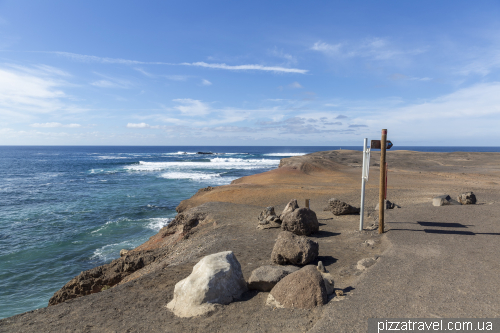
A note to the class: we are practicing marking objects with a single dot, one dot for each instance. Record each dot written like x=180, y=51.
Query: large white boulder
x=216, y=279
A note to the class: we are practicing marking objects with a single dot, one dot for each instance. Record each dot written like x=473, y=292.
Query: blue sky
x=249, y=72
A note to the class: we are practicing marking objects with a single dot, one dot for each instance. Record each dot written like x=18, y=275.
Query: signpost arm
x=381, y=202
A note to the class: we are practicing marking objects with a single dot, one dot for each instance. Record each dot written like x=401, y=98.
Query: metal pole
x=381, y=202
x=363, y=181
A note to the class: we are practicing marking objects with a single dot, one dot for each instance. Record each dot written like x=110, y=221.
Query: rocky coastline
x=132, y=292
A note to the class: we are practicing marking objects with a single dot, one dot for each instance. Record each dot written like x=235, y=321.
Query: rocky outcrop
x=303, y=289
x=291, y=249
x=216, y=279
x=265, y=278
x=302, y=221
x=444, y=200
x=156, y=248
x=338, y=207
x=103, y=277
x=467, y=198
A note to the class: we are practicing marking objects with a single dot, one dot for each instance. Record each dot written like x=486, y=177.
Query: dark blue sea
x=66, y=209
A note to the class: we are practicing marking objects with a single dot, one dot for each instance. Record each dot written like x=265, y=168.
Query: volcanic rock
x=338, y=207
x=291, y=249
x=290, y=207
x=302, y=221
x=303, y=289
x=265, y=278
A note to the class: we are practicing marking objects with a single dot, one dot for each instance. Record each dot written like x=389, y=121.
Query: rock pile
x=338, y=207
x=216, y=279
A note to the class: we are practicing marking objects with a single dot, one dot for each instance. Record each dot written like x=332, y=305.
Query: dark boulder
x=291, y=249
x=302, y=221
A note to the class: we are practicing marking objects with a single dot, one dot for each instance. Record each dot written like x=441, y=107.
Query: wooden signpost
x=381, y=195
x=382, y=145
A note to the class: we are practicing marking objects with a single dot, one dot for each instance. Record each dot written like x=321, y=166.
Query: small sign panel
x=376, y=144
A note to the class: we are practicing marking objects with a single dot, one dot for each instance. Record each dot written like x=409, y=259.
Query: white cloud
x=51, y=125
x=192, y=107
x=206, y=82
x=247, y=67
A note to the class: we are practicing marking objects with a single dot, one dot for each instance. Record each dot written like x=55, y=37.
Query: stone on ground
x=467, y=198
x=303, y=289
x=302, y=221
x=365, y=263
x=265, y=278
x=290, y=207
x=388, y=205
x=216, y=279
x=444, y=200
x=338, y=207
x=291, y=249
x=266, y=215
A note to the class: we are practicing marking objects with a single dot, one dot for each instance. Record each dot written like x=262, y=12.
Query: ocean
x=68, y=209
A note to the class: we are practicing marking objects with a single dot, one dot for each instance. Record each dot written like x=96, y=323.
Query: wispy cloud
x=111, y=82
x=141, y=125
x=289, y=59
x=398, y=76
x=484, y=63
x=374, y=48
x=295, y=85
x=330, y=49
x=192, y=107
x=247, y=67
x=206, y=82
x=105, y=60
x=27, y=90
x=52, y=125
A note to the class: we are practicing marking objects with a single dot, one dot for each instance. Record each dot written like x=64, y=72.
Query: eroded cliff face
x=156, y=249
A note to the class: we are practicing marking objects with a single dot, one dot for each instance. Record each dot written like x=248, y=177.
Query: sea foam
x=214, y=163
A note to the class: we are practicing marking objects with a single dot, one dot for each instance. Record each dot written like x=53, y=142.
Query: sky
x=321, y=73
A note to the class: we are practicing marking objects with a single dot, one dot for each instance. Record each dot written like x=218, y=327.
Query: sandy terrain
x=419, y=273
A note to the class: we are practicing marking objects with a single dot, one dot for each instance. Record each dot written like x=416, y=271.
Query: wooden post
x=381, y=201
x=307, y=203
